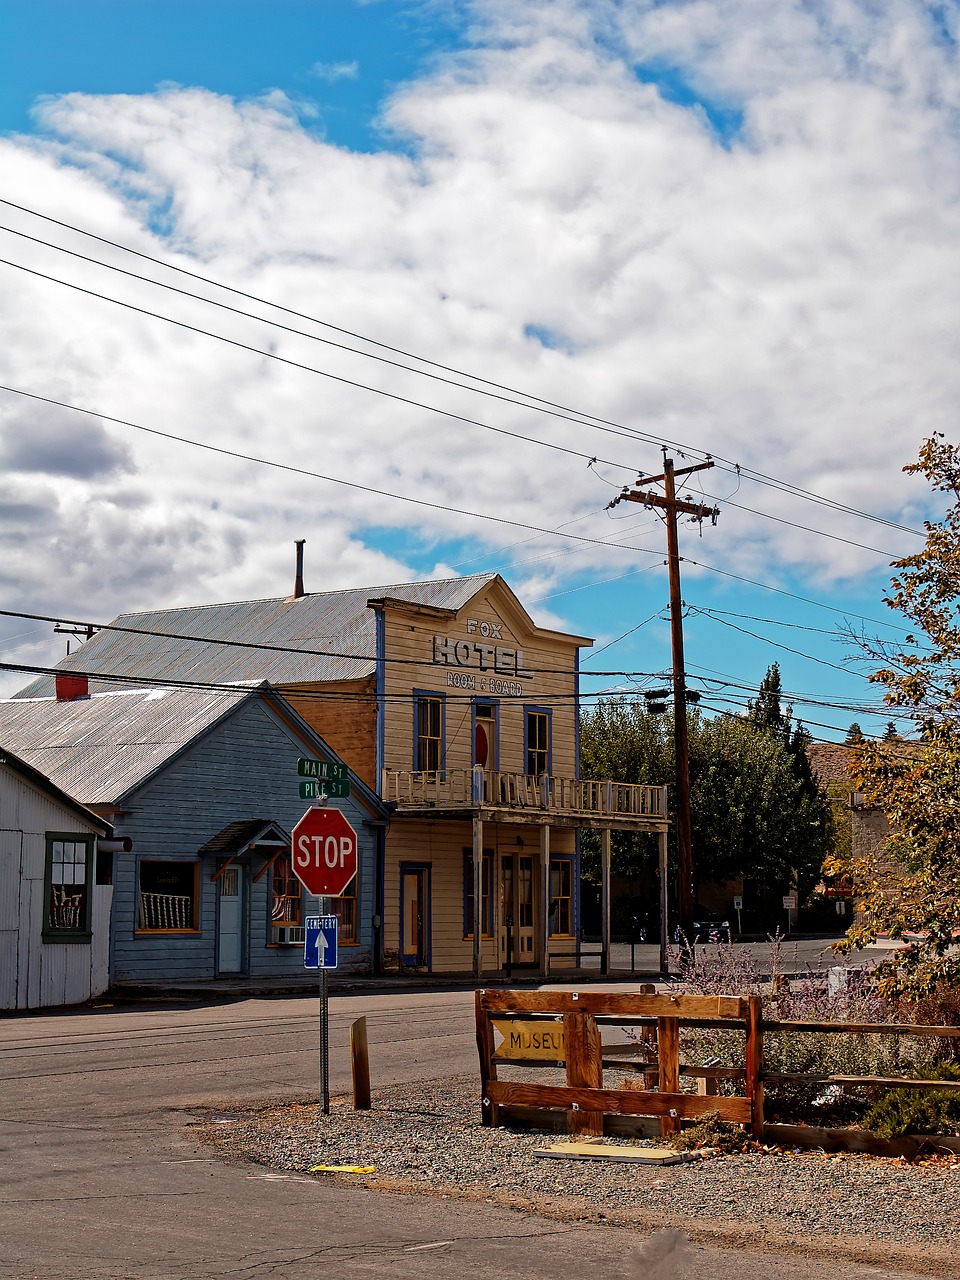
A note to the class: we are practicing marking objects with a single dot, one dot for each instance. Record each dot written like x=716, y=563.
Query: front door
x=415, y=916
x=516, y=909
x=230, y=921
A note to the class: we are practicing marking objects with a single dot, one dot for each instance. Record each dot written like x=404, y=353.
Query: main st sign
x=324, y=849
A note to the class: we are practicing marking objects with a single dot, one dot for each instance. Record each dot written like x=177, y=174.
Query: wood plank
x=584, y=1069
x=889, y=1082
x=862, y=1140
x=488, y=1068
x=694, y=1008
x=754, y=1063
x=855, y=1028
x=636, y=1102
x=668, y=1062
x=360, y=1064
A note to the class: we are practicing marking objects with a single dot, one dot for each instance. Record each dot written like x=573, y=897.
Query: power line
x=528, y=400
x=316, y=475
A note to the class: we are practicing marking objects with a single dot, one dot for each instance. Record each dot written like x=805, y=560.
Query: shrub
x=710, y=1131
x=904, y=1111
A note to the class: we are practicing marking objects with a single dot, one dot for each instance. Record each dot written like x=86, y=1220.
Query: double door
x=517, y=896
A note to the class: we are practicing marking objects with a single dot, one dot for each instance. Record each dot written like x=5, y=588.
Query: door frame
x=423, y=870
x=242, y=924
x=531, y=960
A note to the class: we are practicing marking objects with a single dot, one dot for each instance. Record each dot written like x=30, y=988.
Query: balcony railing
x=494, y=789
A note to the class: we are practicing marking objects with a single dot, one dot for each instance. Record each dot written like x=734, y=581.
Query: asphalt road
x=99, y=1176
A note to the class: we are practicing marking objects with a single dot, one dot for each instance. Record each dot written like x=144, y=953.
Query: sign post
x=738, y=907
x=324, y=859
x=320, y=952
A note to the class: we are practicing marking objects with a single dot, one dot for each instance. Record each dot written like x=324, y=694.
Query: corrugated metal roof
x=97, y=748
x=337, y=622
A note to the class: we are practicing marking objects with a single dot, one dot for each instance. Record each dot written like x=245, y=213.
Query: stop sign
x=324, y=852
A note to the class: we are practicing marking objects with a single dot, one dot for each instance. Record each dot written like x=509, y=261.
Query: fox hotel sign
x=483, y=661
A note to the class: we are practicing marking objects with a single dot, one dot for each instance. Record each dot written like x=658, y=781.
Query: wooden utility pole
x=673, y=506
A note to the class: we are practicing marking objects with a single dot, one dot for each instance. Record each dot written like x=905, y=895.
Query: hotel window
x=537, y=740
x=561, y=898
x=68, y=874
x=428, y=722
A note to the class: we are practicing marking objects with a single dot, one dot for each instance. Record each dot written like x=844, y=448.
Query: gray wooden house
x=54, y=893
x=204, y=784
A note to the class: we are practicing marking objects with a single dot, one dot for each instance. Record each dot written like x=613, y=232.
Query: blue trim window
x=428, y=731
x=537, y=740
x=486, y=900
x=561, y=897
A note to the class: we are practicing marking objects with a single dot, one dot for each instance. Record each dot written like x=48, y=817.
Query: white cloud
x=331, y=72
x=785, y=296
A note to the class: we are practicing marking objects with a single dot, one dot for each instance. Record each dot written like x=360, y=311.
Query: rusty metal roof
x=329, y=635
x=96, y=749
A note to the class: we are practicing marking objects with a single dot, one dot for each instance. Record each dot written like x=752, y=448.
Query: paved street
x=100, y=1178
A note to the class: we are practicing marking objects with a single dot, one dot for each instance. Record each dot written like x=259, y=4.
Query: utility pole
x=672, y=506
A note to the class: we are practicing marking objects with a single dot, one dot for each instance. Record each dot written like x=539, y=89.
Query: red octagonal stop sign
x=324, y=852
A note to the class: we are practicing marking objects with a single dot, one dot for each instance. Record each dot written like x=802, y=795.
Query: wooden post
x=664, y=903
x=488, y=1069
x=582, y=1048
x=360, y=1062
x=477, y=893
x=605, y=900
x=668, y=1056
x=754, y=1063
x=544, y=901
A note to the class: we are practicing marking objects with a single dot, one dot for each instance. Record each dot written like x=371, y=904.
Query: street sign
x=525, y=1040
x=332, y=769
x=320, y=942
x=324, y=852
x=738, y=902
x=324, y=788
x=790, y=901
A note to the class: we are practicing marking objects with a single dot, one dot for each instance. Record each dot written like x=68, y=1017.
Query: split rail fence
x=540, y=1029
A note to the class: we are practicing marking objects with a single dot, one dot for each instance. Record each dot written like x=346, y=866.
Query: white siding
x=34, y=973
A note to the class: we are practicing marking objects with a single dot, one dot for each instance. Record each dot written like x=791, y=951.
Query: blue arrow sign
x=320, y=942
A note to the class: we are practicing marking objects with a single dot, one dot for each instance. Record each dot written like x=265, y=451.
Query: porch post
x=477, y=893
x=544, y=899
x=664, y=896
x=605, y=900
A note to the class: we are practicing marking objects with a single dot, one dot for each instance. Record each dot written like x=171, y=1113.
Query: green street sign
x=332, y=769
x=324, y=788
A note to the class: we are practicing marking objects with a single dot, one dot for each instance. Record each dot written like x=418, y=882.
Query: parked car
x=706, y=928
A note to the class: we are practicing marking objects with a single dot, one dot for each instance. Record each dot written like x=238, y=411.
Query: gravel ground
x=427, y=1138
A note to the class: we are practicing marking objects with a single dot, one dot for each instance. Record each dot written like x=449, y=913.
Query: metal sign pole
x=324, y=1031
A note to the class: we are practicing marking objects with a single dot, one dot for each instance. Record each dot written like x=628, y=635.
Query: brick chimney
x=70, y=688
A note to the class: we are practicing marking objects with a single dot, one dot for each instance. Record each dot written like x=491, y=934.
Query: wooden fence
x=563, y=1029
x=526, y=1019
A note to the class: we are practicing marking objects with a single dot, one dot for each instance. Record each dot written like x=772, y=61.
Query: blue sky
x=714, y=225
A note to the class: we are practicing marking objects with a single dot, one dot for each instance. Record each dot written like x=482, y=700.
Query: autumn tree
x=911, y=885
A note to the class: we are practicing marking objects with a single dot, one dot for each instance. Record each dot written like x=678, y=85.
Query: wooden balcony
x=523, y=798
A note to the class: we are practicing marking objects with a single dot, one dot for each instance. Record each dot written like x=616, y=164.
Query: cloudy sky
x=473, y=263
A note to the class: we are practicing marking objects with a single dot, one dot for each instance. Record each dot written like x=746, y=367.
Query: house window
x=561, y=898
x=428, y=724
x=486, y=901
x=345, y=909
x=169, y=897
x=537, y=740
x=285, y=901
x=68, y=873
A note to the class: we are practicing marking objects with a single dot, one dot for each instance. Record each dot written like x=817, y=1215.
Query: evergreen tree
x=854, y=735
